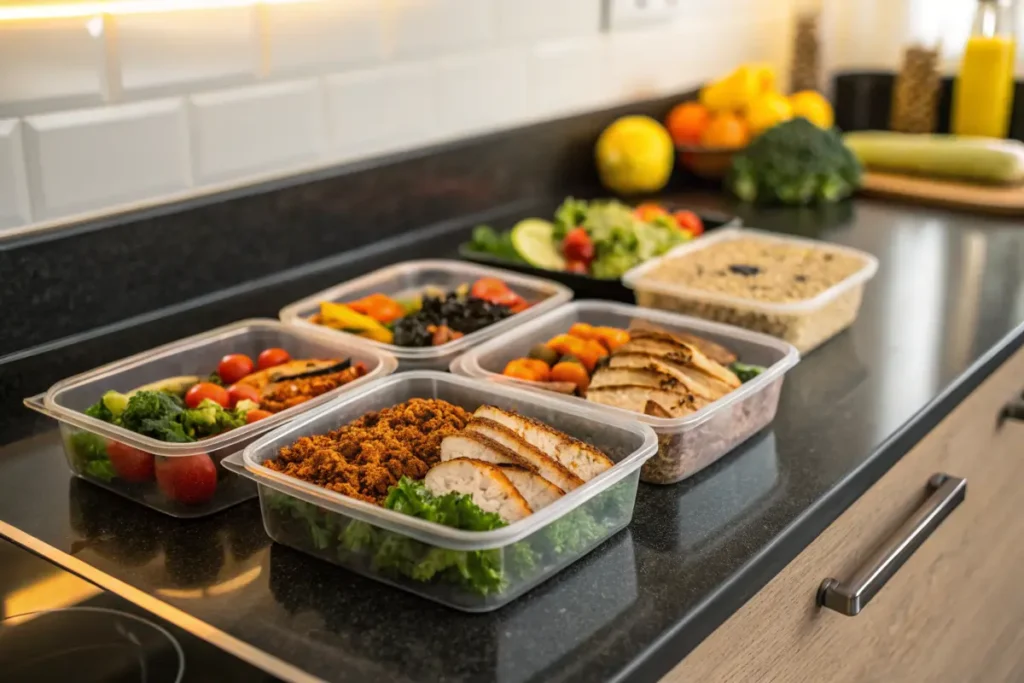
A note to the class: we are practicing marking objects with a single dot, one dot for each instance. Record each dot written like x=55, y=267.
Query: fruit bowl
x=712, y=163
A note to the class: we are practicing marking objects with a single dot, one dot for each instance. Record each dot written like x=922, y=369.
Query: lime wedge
x=534, y=240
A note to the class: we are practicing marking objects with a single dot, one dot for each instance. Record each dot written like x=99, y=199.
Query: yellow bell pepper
x=341, y=317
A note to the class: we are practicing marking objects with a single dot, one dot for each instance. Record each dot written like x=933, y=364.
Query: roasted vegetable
x=795, y=163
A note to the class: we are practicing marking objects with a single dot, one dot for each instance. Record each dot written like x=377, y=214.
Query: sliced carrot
x=582, y=331
x=571, y=372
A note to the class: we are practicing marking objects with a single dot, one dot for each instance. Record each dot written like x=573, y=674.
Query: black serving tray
x=584, y=286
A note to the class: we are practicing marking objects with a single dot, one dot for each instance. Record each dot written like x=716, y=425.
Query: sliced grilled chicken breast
x=637, y=397
x=546, y=466
x=700, y=384
x=713, y=350
x=538, y=491
x=661, y=344
x=648, y=376
x=476, y=446
x=484, y=482
x=582, y=459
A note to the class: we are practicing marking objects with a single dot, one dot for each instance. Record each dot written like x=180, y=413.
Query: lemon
x=812, y=106
x=634, y=154
x=767, y=111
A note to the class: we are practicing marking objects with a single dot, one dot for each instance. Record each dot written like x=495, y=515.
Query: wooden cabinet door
x=953, y=613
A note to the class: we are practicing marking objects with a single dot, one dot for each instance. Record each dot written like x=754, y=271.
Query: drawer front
x=954, y=612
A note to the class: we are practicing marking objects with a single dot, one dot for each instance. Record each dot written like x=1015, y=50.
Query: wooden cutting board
x=982, y=198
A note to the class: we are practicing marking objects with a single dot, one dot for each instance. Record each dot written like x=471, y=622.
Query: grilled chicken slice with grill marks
x=538, y=491
x=484, y=482
x=546, y=466
x=582, y=459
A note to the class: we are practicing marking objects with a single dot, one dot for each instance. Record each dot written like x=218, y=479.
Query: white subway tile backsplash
x=53, y=63
x=523, y=20
x=306, y=36
x=381, y=110
x=640, y=63
x=175, y=51
x=96, y=158
x=568, y=76
x=256, y=130
x=422, y=28
x=481, y=91
x=13, y=190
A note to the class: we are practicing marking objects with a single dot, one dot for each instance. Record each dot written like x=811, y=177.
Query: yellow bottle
x=983, y=91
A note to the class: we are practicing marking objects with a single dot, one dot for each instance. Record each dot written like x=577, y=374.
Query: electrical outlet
x=622, y=15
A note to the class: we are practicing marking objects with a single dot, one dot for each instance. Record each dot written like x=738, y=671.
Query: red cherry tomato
x=242, y=392
x=256, y=415
x=690, y=222
x=497, y=292
x=234, y=367
x=577, y=246
x=577, y=267
x=131, y=464
x=188, y=479
x=207, y=390
x=271, y=357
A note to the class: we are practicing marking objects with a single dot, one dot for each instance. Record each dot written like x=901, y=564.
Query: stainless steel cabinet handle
x=850, y=597
x=1014, y=410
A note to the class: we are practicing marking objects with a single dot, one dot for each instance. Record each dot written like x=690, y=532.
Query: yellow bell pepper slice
x=341, y=317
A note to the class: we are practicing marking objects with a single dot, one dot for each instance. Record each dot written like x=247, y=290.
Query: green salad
x=164, y=416
x=602, y=238
x=481, y=572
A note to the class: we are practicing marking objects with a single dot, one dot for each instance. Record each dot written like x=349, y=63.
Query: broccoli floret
x=154, y=413
x=795, y=163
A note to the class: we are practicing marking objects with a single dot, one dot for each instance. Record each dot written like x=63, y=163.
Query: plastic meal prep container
x=87, y=439
x=409, y=279
x=805, y=324
x=523, y=554
x=686, y=444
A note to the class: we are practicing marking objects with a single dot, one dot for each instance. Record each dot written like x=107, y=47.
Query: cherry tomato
x=577, y=246
x=188, y=479
x=271, y=357
x=207, y=390
x=577, y=267
x=131, y=464
x=242, y=392
x=648, y=211
x=690, y=222
x=234, y=367
x=497, y=292
x=256, y=415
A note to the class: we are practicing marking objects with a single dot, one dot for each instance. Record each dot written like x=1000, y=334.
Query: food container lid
x=249, y=463
x=636, y=278
x=52, y=404
x=409, y=278
x=470, y=365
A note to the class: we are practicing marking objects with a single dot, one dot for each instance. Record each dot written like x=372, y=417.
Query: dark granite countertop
x=944, y=310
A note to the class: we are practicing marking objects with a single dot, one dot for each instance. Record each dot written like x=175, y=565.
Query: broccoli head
x=795, y=163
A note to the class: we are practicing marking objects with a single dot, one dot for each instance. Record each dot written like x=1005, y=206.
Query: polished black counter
x=945, y=309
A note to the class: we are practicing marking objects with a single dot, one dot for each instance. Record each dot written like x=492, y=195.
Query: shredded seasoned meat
x=366, y=457
x=285, y=394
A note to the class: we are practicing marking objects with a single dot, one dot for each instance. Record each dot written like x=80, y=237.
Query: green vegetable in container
x=89, y=455
x=487, y=240
x=746, y=372
x=795, y=163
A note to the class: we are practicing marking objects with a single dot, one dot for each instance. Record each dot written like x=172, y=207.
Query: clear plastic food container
x=686, y=444
x=367, y=539
x=806, y=324
x=410, y=279
x=87, y=440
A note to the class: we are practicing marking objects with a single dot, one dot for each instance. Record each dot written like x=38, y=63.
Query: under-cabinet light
x=64, y=10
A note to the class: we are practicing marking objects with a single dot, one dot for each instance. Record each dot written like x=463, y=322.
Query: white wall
x=99, y=114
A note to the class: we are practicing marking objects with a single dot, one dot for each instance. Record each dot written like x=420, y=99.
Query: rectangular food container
x=355, y=534
x=409, y=279
x=686, y=444
x=86, y=438
x=805, y=324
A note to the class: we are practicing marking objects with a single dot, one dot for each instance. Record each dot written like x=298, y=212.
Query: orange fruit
x=686, y=122
x=725, y=130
